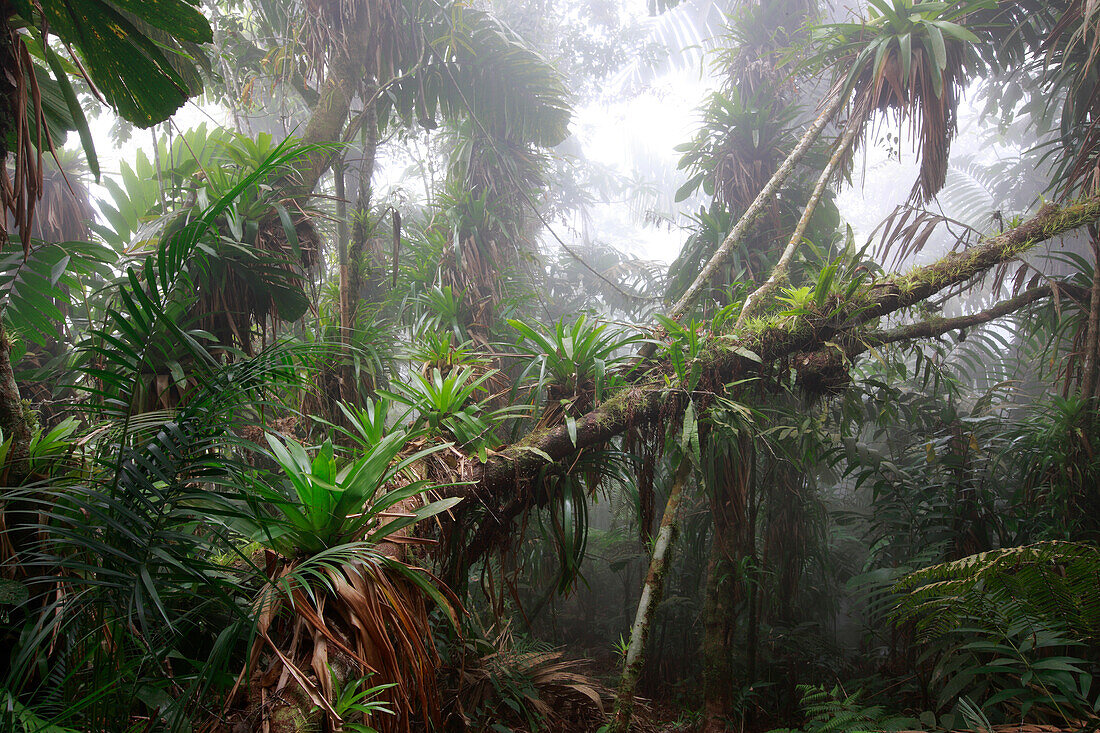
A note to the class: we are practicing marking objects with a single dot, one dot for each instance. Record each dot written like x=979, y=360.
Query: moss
x=246, y=549
x=292, y=717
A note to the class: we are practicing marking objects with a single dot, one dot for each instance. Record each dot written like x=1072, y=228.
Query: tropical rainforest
x=339, y=390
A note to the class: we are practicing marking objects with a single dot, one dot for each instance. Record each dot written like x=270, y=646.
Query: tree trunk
x=731, y=464
x=339, y=174
x=1092, y=338
x=351, y=286
x=19, y=515
x=718, y=615
x=647, y=604
x=756, y=209
x=326, y=124
x=749, y=574
x=13, y=416
x=783, y=266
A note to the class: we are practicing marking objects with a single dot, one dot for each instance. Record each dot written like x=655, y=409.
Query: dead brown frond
x=1073, y=52
x=470, y=267
x=245, y=295
x=362, y=621
x=21, y=120
x=333, y=31
x=526, y=690
x=905, y=232
x=64, y=207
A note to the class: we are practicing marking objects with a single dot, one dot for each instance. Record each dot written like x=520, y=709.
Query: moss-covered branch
x=939, y=326
x=499, y=483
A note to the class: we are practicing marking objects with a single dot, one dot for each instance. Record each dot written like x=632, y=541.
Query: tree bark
x=1092, y=336
x=730, y=471
x=651, y=598
x=13, y=417
x=20, y=514
x=939, y=326
x=717, y=625
x=327, y=122
x=351, y=285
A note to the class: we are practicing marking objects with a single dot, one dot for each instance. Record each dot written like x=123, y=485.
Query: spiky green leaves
x=323, y=506
x=910, y=57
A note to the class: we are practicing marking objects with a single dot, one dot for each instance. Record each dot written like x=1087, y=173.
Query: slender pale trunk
x=1092, y=338
x=647, y=604
x=756, y=209
x=779, y=272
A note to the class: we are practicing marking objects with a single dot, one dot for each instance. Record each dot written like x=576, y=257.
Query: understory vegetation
x=359, y=412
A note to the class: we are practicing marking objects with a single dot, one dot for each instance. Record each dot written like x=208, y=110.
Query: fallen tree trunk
x=499, y=483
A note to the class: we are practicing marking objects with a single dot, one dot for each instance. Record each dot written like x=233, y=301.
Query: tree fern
x=1055, y=581
x=1012, y=629
x=834, y=711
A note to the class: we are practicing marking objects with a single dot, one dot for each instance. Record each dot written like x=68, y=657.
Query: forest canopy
x=338, y=391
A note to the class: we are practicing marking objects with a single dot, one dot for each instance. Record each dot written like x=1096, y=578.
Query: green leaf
x=80, y=122
x=748, y=354
x=888, y=12
x=905, y=48
x=686, y=190
x=177, y=17
x=537, y=451
x=937, y=78
x=289, y=229
x=124, y=61
x=955, y=30
x=689, y=434
x=939, y=49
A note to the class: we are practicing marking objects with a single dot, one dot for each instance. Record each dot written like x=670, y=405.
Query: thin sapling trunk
x=650, y=599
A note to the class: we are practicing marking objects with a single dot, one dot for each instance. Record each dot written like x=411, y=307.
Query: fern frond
x=1055, y=581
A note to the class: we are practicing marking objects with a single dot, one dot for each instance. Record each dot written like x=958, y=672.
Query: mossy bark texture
x=650, y=599
x=326, y=124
